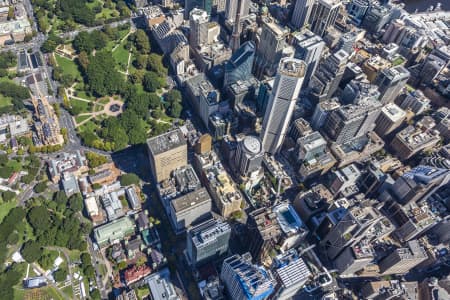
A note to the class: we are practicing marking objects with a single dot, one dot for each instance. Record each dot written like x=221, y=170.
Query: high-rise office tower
x=189, y=5
x=235, y=41
x=390, y=83
x=302, y=11
x=249, y=155
x=351, y=121
x=231, y=9
x=309, y=48
x=321, y=112
x=167, y=152
x=402, y=260
x=326, y=79
x=270, y=48
x=281, y=104
x=207, y=241
x=356, y=91
x=239, y=66
x=390, y=118
x=323, y=15
x=198, y=24
x=244, y=280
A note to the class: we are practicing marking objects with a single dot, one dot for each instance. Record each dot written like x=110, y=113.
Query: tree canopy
x=102, y=76
x=129, y=179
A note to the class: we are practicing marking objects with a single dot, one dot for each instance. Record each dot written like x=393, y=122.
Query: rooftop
x=167, y=141
x=393, y=112
x=190, y=200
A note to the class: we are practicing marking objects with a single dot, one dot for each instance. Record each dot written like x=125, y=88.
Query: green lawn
x=121, y=57
x=5, y=101
x=5, y=208
x=84, y=95
x=68, y=66
x=88, y=126
x=105, y=14
x=17, y=166
x=83, y=106
x=80, y=119
x=104, y=100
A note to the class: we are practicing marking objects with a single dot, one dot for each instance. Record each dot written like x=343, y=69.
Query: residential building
x=167, y=152
x=390, y=83
x=281, y=104
x=402, y=260
x=207, y=241
x=301, y=13
x=188, y=209
x=373, y=67
x=133, y=198
x=114, y=231
x=323, y=15
x=136, y=273
x=325, y=81
x=390, y=118
x=309, y=48
x=290, y=273
x=249, y=155
x=245, y=280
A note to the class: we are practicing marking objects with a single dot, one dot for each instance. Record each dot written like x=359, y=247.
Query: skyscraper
x=244, y=280
x=189, y=5
x=326, y=79
x=309, y=48
x=402, y=260
x=198, y=24
x=231, y=8
x=239, y=66
x=351, y=121
x=281, y=104
x=323, y=15
x=270, y=48
x=302, y=11
x=390, y=83
x=249, y=155
x=207, y=241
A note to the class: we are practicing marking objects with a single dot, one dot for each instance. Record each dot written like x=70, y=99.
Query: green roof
x=115, y=230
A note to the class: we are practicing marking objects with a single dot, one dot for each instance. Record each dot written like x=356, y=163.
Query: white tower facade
x=286, y=89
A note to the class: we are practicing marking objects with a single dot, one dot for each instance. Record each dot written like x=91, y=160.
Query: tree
x=154, y=100
x=175, y=110
x=60, y=275
x=137, y=76
x=8, y=280
x=95, y=295
x=95, y=160
x=151, y=82
x=76, y=202
x=141, y=41
x=40, y=218
x=13, y=238
x=83, y=42
x=40, y=187
x=102, y=77
x=85, y=259
x=173, y=96
x=8, y=196
x=89, y=271
x=122, y=265
x=83, y=59
x=31, y=251
x=141, y=61
x=51, y=43
x=155, y=64
x=129, y=179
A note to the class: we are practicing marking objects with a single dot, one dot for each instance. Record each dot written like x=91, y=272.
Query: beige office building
x=167, y=152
